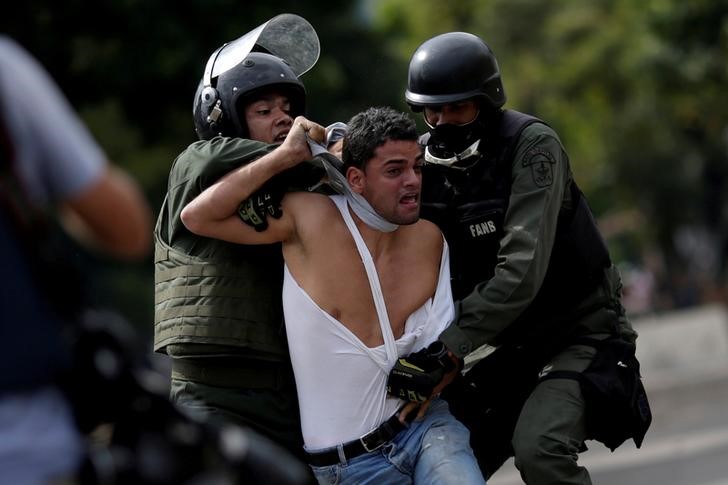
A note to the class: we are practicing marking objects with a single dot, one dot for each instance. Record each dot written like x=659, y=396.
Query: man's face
x=268, y=117
x=392, y=181
x=458, y=113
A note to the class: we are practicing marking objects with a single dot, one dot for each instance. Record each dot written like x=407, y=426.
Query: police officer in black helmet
x=218, y=310
x=531, y=272
x=220, y=111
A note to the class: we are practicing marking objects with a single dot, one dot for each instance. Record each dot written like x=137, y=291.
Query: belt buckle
x=363, y=441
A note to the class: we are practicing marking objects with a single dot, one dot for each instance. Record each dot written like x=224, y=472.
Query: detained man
x=365, y=282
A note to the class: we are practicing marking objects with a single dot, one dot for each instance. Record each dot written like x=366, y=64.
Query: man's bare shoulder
x=309, y=208
x=316, y=222
x=308, y=200
x=428, y=229
x=425, y=235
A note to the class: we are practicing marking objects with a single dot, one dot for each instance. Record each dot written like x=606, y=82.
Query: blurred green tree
x=634, y=88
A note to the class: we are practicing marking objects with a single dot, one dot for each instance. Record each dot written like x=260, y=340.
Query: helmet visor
x=287, y=36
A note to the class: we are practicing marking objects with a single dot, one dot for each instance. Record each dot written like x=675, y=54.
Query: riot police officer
x=531, y=272
x=218, y=310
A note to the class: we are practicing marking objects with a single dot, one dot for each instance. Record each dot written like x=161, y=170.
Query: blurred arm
x=59, y=163
x=111, y=215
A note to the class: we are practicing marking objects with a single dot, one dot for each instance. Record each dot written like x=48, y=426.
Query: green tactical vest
x=230, y=297
x=208, y=291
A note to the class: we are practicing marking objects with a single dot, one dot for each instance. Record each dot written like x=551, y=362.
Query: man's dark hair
x=371, y=129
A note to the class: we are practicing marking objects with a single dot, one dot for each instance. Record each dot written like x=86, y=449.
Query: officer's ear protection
x=209, y=98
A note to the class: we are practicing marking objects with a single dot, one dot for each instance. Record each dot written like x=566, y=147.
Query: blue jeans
x=433, y=450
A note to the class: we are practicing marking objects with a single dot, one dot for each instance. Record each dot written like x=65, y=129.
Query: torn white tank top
x=341, y=382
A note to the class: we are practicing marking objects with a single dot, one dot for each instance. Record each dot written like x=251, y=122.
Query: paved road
x=687, y=443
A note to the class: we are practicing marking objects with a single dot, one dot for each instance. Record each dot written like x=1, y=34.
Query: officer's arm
x=265, y=203
x=214, y=213
x=540, y=174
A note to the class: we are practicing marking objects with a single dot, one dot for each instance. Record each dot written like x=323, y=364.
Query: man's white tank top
x=341, y=382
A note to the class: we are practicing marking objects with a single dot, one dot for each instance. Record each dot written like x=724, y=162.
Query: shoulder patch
x=541, y=162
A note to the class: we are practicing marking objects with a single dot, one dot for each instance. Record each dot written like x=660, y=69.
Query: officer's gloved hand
x=264, y=203
x=415, y=376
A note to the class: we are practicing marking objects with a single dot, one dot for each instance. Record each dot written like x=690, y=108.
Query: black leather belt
x=366, y=444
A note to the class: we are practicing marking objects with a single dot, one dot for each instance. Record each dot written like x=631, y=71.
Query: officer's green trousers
x=269, y=410
x=551, y=428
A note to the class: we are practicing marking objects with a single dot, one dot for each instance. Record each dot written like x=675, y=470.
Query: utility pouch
x=617, y=407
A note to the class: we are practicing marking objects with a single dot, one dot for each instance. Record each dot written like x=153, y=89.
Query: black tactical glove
x=415, y=376
x=255, y=210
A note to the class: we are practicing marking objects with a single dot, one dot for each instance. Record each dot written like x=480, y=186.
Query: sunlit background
x=635, y=88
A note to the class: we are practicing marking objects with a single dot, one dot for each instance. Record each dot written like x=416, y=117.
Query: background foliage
x=635, y=88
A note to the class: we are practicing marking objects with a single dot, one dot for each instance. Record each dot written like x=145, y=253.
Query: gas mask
x=450, y=144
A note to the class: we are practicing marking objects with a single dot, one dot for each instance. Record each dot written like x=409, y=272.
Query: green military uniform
x=521, y=299
x=541, y=176
x=218, y=310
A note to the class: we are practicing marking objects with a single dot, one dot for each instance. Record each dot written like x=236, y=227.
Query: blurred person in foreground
x=365, y=282
x=52, y=171
x=531, y=274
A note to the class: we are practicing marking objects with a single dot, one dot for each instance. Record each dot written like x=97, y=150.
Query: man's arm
x=111, y=215
x=531, y=219
x=62, y=164
x=540, y=174
x=214, y=213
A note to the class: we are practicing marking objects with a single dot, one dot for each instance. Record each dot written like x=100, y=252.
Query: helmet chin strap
x=471, y=151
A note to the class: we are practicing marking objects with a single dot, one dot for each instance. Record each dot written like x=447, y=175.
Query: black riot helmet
x=219, y=103
x=452, y=67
